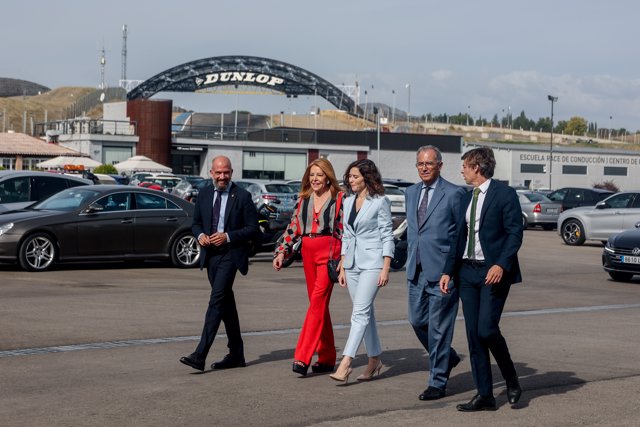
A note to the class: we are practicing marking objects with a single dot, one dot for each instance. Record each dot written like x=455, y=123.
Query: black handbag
x=332, y=264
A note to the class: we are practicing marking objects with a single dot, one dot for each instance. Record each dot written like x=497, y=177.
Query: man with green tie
x=484, y=260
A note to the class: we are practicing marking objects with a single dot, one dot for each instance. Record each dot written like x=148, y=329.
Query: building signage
x=189, y=148
x=239, y=77
x=581, y=159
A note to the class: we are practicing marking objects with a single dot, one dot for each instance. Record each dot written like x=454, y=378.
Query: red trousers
x=317, y=331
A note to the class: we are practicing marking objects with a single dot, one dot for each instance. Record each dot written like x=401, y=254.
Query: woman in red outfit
x=318, y=221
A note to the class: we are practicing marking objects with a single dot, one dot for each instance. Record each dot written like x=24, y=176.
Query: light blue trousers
x=363, y=288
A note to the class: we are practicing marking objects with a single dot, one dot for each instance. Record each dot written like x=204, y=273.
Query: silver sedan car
x=537, y=209
x=612, y=215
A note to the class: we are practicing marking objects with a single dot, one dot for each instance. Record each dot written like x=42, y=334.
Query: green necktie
x=472, y=225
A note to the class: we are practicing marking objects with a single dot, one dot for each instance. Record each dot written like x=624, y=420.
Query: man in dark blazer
x=224, y=221
x=484, y=261
x=433, y=206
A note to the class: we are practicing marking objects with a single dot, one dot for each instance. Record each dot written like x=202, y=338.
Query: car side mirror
x=94, y=207
x=601, y=205
x=637, y=224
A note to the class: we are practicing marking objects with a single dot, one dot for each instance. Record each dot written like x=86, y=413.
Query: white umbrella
x=140, y=164
x=61, y=161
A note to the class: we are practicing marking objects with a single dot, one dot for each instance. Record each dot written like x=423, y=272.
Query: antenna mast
x=103, y=63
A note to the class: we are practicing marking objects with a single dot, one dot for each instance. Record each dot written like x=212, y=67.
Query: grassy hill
x=54, y=103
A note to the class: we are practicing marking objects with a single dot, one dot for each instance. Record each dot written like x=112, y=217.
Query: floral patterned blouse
x=306, y=221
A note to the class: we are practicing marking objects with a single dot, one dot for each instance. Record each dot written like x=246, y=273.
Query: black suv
x=572, y=197
x=19, y=189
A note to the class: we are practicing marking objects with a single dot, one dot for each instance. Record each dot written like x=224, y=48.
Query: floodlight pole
x=552, y=99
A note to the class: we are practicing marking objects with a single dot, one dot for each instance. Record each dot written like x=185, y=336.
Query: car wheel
x=185, y=251
x=525, y=223
x=37, y=252
x=573, y=232
x=620, y=277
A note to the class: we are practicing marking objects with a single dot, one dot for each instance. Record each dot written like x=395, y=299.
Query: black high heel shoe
x=300, y=368
x=321, y=368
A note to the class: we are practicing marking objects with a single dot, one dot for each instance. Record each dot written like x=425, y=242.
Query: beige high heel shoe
x=344, y=379
x=369, y=376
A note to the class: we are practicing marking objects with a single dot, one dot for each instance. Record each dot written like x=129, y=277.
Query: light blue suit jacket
x=371, y=238
x=435, y=234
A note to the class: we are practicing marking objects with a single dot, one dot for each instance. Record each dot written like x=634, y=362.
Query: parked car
x=100, y=223
x=296, y=184
x=621, y=255
x=610, y=216
x=573, y=197
x=167, y=182
x=193, y=179
x=189, y=191
x=274, y=193
x=396, y=196
x=400, y=183
x=139, y=177
x=19, y=189
x=538, y=210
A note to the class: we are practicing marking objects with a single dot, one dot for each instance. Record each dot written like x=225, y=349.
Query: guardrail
x=86, y=126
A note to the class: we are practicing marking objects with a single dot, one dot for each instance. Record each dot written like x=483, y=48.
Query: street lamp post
x=552, y=99
x=468, y=112
x=610, y=118
x=408, y=86
x=393, y=111
x=376, y=112
x=235, y=123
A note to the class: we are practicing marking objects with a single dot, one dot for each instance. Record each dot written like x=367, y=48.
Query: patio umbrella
x=140, y=164
x=61, y=161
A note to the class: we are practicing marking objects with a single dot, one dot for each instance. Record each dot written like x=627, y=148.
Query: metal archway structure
x=265, y=73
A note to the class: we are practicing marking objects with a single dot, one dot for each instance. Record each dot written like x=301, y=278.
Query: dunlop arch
x=246, y=71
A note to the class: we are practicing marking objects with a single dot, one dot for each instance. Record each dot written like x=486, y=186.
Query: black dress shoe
x=229, y=361
x=478, y=403
x=300, y=368
x=321, y=368
x=432, y=393
x=513, y=391
x=194, y=361
x=454, y=360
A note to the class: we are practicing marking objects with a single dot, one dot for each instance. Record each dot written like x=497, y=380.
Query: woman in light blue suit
x=367, y=250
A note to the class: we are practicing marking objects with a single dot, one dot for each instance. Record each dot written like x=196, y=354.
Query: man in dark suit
x=433, y=206
x=484, y=261
x=224, y=221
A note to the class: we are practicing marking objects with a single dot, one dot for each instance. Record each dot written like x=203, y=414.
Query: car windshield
x=536, y=197
x=66, y=200
x=279, y=188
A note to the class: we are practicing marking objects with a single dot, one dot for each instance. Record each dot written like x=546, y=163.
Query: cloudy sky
x=481, y=57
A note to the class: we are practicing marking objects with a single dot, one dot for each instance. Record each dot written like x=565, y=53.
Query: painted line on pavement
x=150, y=341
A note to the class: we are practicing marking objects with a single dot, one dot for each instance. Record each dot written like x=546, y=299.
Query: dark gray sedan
x=537, y=209
x=100, y=223
x=621, y=255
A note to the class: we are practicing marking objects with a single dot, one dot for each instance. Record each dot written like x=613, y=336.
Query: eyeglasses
x=430, y=165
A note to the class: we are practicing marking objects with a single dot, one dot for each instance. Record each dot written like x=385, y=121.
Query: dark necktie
x=422, y=209
x=215, y=214
x=471, y=248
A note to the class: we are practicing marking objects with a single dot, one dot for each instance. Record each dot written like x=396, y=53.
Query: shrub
x=607, y=185
x=106, y=169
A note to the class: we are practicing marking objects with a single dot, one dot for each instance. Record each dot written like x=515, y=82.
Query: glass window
x=279, y=188
x=15, y=190
x=575, y=195
x=45, y=186
x=115, y=202
x=151, y=201
x=574, y=170
x=620, y=201
x=531, y=168
x=558, y=196
x=535, y=197
x=67, y=200
x=615, y=171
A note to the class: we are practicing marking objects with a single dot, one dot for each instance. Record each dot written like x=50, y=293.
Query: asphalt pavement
x=98, y=344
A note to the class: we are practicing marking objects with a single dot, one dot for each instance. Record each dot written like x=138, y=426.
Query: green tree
x=494, y=121
x=522, y=122
x=106, y=169
x=560, y=127
x=576, y=126
x=543, y=124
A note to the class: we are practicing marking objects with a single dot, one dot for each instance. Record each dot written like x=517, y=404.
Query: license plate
x=631, y=259
x=552, y=210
